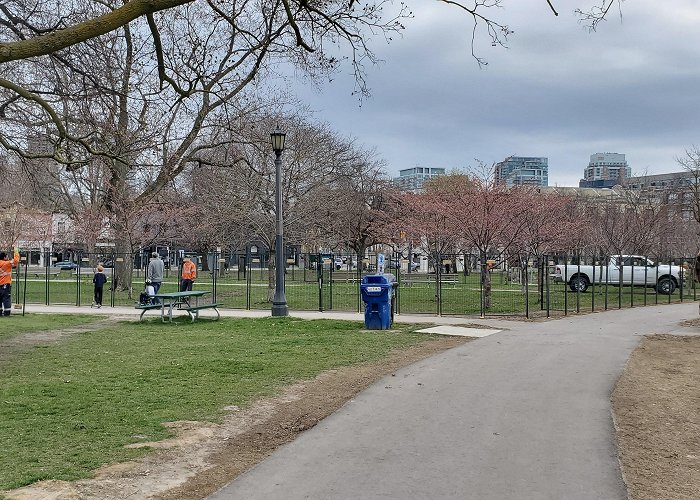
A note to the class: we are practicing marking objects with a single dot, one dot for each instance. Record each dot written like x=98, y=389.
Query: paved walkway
x=242, y=313
x=522, y=414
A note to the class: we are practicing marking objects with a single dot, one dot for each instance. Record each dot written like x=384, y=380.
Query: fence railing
x=441, y=285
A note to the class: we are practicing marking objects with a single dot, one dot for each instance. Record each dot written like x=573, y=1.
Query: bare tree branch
x=91, y=28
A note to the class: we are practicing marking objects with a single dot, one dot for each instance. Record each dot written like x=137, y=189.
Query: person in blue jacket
x=99, y=279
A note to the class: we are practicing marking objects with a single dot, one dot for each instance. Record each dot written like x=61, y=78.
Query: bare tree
x=627, y=221
x=357, y=202
x=234, y=186
x=691, y=163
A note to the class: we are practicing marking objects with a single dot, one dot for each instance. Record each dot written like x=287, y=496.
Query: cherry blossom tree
x=488, y=216
x=547, y=227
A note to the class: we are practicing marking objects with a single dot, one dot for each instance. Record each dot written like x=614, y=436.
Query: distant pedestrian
x=99, y=279
x=155, y=273
x=189, y=274
x=6, y=266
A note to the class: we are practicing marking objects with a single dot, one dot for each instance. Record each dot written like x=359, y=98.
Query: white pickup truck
x=623, y=269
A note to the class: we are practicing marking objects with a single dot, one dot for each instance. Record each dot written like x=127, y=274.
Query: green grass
x=16, y=323
x=66, y=409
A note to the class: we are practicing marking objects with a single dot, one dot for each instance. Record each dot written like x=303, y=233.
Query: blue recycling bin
x=377, y=291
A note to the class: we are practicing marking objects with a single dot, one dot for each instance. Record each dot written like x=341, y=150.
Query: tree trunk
x=123, y=271
x=205, y=258
x=486, y=281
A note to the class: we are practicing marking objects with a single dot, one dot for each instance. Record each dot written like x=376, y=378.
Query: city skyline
x=558, y=91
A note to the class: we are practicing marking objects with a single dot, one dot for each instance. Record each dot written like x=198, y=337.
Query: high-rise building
x=605, y=170
x=522, y=170
x=413, y=179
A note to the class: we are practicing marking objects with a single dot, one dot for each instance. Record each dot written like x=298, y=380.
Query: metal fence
x=441, y=285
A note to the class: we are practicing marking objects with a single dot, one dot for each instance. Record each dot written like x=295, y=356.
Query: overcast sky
x=558, y=90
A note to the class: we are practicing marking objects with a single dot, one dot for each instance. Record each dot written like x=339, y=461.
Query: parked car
x=396, y=264
x=66, y=264
x=622, y=270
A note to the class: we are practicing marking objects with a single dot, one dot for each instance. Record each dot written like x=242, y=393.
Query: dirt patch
x=656, y=407
x=11, y=346
x=204, y=456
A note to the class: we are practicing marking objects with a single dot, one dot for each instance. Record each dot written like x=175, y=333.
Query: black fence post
x=546, y=280
x=24, y=294
x=669, y=272
x=632, y=285
x=656, y=282
x=358, y=270
x=607, y=281
x=77, y=280
x=331, y=269
x=646, y=278
x=578, y=288
x=112, y=288
x=595, y=262
x=527, y=290
x=438, y=298
x=482, y=305
x=620, y=272
x=214, y=275
x=566, y=284
x=319, y=277
x=248, y=275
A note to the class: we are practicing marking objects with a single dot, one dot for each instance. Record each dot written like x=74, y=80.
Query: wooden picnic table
x=181, y=299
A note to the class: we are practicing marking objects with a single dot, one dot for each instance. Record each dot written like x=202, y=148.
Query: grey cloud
x=559, y=91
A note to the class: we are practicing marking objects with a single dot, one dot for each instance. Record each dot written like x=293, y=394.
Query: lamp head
x=277, y=137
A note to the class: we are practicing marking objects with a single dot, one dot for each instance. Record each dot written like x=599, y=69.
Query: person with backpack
x=147, y=296
x=99, y=279
x=6, y=266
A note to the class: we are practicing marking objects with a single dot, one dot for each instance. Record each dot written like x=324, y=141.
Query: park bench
x=346, y=277
x=41, y=273
x=147, y=307
x=219, y=274
x=430, y=279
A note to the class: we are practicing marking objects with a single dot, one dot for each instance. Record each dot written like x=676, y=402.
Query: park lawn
x=66, y=409
x=16, y=324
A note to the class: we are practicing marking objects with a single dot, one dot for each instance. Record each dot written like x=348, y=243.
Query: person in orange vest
x=189, y=274
x=6, y=266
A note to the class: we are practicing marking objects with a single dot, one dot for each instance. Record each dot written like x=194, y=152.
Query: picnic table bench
x=147, y=307
x=193, y=311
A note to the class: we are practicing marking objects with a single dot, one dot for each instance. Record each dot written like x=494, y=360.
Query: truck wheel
x=578, y=284
x=665, y=286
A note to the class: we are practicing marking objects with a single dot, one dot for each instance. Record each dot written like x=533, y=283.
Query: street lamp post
x=279, y=302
